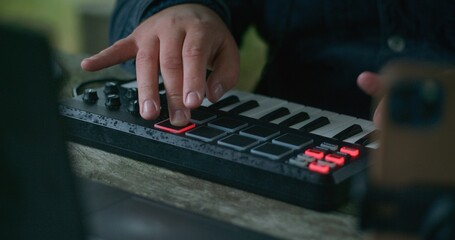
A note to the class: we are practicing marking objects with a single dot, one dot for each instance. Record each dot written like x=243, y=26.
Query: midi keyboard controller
x=279, y=149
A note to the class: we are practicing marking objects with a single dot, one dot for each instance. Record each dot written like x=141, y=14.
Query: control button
x=112, y=102
x=90, y=96
x=168, y=127
x=206, y=134
x=353, y=152
x=133, y=107
x=238, y=142
x=306, y=157
x=201, y=117
x=132, y=93
x=260, y=133
x=321, y=167
x=292, y=141
x=330, y=146
x=111, y=88
x=296, y=161
x=272, y=151
x=396, y=43
x=228, y=124
x=301, y=160
x=314, y=153
x=335, y=158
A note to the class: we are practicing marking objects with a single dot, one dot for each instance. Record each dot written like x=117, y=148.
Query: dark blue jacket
x=317, y=48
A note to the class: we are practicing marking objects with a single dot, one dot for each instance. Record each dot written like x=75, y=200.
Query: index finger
x=370, y=83
x=119, y=52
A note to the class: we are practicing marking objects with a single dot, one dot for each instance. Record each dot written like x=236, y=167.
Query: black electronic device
x=283, y=150
x=40, y=196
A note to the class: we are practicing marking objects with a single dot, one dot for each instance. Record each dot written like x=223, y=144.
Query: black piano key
x=225, y=102
x=161, y=87
x=348, y=132
x=315, y=124
x=163, y=100
x=280, y=112
x=299, y=117
x=369, y=138
x=201, y=117
x=248, y=105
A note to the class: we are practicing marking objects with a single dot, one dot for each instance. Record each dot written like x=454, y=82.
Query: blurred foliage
x=252, y=59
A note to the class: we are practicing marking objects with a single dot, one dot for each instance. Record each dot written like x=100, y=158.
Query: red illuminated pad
x=353, y=152
x=319, y=168
x=334, y=158
x=168, y=127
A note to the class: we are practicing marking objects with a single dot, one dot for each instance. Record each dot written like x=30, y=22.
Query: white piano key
x=132, y=84
x=373, y=145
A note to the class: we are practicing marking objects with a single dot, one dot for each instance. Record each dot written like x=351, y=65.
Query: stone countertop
x=228, y=204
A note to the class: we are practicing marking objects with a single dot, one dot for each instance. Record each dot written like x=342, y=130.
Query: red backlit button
x=321, y=167
x=334, y=158
x=353, y=152
x=168, y=127
x=315, y=153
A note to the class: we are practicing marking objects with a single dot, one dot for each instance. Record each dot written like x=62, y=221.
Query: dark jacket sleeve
x=128, y=14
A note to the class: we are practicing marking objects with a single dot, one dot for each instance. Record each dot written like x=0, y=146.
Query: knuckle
x=174, y=98
x=171, y=62
x=143, y=57
x=193, y=52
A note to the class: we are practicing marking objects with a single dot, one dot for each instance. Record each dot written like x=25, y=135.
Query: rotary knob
x=113, y=102
x=90, y=96
x=132, y=94
x=133, y=107
x=111, y=88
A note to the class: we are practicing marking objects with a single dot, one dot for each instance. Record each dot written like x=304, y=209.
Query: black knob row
x=113, y=102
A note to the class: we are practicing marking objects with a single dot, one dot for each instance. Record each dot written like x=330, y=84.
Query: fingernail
x=218, y=91
x=180, y=117
x=149, y=106
x=192, y=99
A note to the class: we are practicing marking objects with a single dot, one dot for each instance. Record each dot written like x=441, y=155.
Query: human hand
x=181, y=42
x=371, y=84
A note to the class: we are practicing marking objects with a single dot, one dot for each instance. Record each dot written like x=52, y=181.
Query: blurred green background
x=81, y=27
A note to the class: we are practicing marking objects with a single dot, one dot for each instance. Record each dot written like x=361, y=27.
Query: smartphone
x=418, y=126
